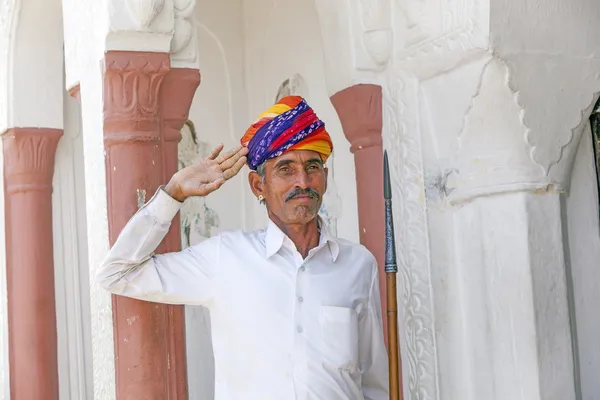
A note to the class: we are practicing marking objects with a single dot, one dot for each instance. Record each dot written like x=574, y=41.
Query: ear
x=256, y=183
x=326, y=177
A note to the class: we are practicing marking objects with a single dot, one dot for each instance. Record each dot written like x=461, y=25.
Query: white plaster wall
x=583, y=252
x=282, y=38
x=70, y=261
x=97, y=231
x=36, y=40
x=219, y=107
x=219, y=115
x=86, y=25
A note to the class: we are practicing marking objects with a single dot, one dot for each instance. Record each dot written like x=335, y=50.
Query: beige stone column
x=28, y=169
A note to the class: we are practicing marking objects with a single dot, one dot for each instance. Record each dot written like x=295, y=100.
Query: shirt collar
x=274, y=238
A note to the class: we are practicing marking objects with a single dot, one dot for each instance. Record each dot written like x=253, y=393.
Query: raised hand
x=208, y=174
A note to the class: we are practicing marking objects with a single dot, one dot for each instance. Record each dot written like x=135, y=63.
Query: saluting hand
x=208, y=174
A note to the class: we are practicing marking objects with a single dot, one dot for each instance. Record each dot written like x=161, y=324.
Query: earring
x=261, y=197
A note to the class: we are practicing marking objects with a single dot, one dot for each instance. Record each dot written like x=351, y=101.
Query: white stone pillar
x=486, y=105
x=84, y=37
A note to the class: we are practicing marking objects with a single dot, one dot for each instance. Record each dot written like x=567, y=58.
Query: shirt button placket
x=299, y=299
x=299, y=342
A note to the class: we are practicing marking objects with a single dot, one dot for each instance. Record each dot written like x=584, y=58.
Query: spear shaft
x=391, y=270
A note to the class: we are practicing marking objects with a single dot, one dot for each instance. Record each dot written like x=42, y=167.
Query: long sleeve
x=132, y=270
x=373, y=353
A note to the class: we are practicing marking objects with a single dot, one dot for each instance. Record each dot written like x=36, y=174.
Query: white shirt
x=283, y=327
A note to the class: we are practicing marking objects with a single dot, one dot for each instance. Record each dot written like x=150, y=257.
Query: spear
x=391, y=269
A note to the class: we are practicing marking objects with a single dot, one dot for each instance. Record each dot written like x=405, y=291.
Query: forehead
x=296, y=156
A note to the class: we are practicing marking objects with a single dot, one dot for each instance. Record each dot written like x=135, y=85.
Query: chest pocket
x=339, y=333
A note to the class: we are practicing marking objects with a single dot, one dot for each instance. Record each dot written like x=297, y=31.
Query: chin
x=303, y=215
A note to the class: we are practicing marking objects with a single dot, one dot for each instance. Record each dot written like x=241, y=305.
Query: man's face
x=293, y=186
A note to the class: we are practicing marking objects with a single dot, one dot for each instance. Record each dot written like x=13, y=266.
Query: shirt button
x=303, y=268
x=300, y=299
x=299, y=329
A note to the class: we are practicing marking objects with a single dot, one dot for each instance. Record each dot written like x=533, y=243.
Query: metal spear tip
x=387, y=186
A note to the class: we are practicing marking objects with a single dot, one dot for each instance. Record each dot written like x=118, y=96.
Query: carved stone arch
x=31, y=67
x=9, y=18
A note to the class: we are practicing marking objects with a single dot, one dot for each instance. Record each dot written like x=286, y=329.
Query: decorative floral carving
x=551, y=136
x=144, y=12
x=401, y=138
x=441, y=32
x=377, y=31
x=29, y=158
x=183, y=44
x=131, y=88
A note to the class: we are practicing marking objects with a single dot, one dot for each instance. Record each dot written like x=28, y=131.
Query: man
x=295, y=311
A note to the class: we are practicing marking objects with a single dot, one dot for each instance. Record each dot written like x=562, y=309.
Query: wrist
x=174, y=191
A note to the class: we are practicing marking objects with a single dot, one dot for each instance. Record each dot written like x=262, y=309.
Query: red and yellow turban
x=289, y=125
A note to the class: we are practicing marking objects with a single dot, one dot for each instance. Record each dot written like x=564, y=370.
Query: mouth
x=304, y=195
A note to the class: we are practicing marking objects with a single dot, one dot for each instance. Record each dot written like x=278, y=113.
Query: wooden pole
x=391, y=269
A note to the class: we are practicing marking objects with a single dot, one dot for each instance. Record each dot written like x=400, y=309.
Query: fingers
x=216, y=151
x=231, y=161
x=231, y=153
x=211, y=187
x=233, y=171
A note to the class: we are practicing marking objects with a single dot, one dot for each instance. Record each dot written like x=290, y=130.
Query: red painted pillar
x=32, y=338
x=359, y=108
x=134, y=169
x=176, y=95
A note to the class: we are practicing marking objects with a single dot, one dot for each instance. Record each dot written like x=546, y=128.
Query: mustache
x=302, y=192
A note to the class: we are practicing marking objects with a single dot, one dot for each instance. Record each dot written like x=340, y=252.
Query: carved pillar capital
x=132, y=82
x=176, y=97
x=29, y=158
x=360, y=110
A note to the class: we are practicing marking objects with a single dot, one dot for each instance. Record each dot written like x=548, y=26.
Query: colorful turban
x=289, y=125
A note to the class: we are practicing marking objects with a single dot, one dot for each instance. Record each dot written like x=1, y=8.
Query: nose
x=302, y=179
